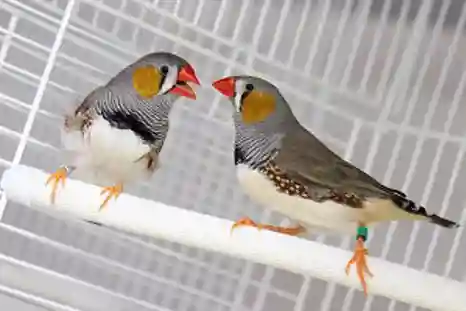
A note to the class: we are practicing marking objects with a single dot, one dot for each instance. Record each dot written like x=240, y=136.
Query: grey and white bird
x=284, y=167
x=114, y=136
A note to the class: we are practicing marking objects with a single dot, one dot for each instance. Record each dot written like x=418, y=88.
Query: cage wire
x=380, y=81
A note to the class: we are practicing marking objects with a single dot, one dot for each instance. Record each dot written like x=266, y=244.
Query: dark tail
x=93, y=222
x=412, y=208
x=435, y=219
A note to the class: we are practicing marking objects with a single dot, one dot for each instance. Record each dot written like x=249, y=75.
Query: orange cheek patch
x=257, y=107
x=146, y=81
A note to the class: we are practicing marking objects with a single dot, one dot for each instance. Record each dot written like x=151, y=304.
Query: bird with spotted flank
x=115, y=135
x=284, y=167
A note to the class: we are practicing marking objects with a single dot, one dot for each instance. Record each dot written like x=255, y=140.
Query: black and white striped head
x=160, y=73
x=256, y=102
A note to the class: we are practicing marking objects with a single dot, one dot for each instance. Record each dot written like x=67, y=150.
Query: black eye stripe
x=164, y=71
x=245, y=95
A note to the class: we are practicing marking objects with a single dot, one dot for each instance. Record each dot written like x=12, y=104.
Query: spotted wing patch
x=345, y=198
x=292, y=187
x=283, y=183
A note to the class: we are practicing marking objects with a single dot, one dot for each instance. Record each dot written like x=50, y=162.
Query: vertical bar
x=318, y=36
x=199, y=10
x=240, y=22
x=176, y=11
x=218, y=97
x=117, y=25
x=343, y=20
x=242, y=286
x=220, y=16
x=429, y=116
x=374, y=48
x=8, y=38
x=445, y=203
x=265, y=285
x=258, y=31
x=280, y=27
x=306, y=11
x=459, y=233
x=449, y=122
x=301, y=298
x=400, y=24
x=40, y=93
x=345, y=243
x=376, y=141
x=456, y=242
x=246, y=276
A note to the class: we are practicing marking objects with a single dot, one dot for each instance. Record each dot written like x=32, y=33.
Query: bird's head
x=164, y=73
x=254, y=99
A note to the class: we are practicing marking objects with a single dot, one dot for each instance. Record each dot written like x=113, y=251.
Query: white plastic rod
x=26, y=185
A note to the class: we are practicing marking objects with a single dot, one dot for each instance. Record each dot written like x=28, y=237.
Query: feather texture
x=339, y=191
x=115, y=135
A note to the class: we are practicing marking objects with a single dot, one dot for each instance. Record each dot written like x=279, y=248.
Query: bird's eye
x=249, y=87
x=164, y=69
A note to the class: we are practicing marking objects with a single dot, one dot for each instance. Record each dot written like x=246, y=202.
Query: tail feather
x=93, y=222
x=415, y=209
x=435, y=219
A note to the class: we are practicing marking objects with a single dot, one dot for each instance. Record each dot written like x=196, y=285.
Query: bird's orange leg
x=57, y=178
x=285, y=230
x=359, y=258
x=111, y=192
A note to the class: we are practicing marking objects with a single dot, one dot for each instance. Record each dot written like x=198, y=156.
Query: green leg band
x=362, y=233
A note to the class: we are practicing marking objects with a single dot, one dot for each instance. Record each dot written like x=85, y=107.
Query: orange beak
x=185, y=75
x=226, y=86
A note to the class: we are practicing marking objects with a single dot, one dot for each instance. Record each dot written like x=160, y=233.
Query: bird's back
x=309, y=160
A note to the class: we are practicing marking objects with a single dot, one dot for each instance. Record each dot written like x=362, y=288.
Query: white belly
x=328, y=215
x=106, y=155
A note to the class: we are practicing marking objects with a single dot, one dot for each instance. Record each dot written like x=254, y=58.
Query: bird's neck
x=255, y=145
x=151, y=109
x=158, y=108
x=150, y=114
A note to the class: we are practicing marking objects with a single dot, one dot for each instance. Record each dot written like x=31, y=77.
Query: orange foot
x=56, y=178
x=248, y=222
x=359, y=258
x=112, y=192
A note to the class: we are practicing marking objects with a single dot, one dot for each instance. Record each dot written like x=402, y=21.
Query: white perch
x=26, y=185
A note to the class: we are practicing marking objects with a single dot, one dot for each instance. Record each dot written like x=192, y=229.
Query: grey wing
x=326, y=176
x=306, y=159
x=84, y=111
x=91, y=101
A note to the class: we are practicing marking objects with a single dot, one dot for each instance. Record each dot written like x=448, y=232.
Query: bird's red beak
x=186, y=74
x=226, y=86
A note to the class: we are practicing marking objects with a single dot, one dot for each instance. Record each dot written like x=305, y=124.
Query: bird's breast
x=118, y=144
x=108, y=151
x=263, y=191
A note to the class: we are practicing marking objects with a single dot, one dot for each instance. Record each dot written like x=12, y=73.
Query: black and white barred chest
x=148, y=119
